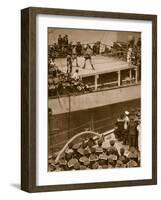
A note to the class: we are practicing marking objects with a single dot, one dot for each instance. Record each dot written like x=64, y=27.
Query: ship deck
x=102, y=64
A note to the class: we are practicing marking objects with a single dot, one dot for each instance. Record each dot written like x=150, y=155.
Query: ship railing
x=118, y=79
x=130, y=79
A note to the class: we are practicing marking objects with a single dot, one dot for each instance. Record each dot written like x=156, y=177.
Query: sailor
x=138, y=128
x=120, y=128
x=133, y=154
x=122, y=156
x=112, y=150
x=126, y=128
x=133, y=136
x=133, y=157
x=88, y=56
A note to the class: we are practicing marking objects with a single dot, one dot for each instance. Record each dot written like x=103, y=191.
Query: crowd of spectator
x=63, y=47
x=98, y=154
x=60, y=83
x=91, y=154
x=128, y=128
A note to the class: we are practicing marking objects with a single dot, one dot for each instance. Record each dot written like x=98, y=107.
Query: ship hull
x=97, y=110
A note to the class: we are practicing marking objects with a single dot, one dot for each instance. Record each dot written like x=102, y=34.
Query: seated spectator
x=112, y=149
x=75, y=75
x=122, y=156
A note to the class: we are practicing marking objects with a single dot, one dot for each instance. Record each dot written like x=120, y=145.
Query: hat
x=91, y=142
x=84, y=144
x=132, y=149
x=93, y=150
x=68, y=156
x=95, y=165
x=62, y=162
x=80, y=151
x=132, y=163
x=72, y=162
x=70, y=145
x=120, y=164
x=84, y=160
x=86, y=151
x=50, y=157
x=58, y=168
x=76, y=146
x=51, y=168
x=82, y=167
x=123, y=159
x=112, y=157
x=126, y=112
x=132, y=117
x=112, y=142
x=133, y=153
x=110, y=166
x=93, y=157
x=103, y=156
x=100, y=141
x=50, y=160
x=122, y=150
x=138, y=114
x=99, y=149
x=104, y=166
x=76, y=166
x=110, y=161
x=68, y=151
x=132, y=110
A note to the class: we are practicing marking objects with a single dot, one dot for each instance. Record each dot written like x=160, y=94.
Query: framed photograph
x=88, y=99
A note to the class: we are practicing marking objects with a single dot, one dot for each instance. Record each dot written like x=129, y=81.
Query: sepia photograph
x=94, y=95
x=89, y=99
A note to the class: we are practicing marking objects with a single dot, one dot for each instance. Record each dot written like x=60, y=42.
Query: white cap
x=127, y=112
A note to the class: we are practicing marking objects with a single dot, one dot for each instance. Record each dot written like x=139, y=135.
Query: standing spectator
x=79, y=49
x=65, y=40
x=95, y=49
x=69, y=64
x=69, y=49
x=87, y=56
x=60, y=42
x=126, y=128
x=138, y=128
x=132, y=133
x=122, y=156
x=74, y=55
x=98, y=47
x=129, y=57
x=120, y=128
x=112, y=149
x=139, y=42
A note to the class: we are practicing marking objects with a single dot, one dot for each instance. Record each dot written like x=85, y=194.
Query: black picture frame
x=28, y=98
